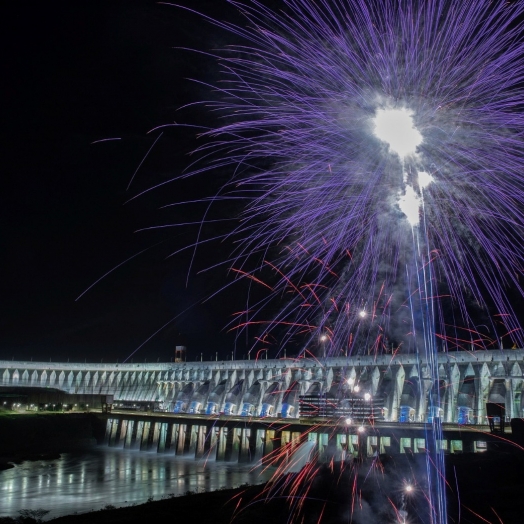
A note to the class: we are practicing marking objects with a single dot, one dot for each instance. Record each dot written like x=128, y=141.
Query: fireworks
x=347, y=124
x=378, y=146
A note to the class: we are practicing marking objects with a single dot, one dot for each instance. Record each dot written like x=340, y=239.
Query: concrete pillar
x=269, y=446
x=115, y=432
x=323, y=441
x=191, y=440
x=399, y=386
x=341, y=446
x=296, y=438
x=200, y=441
x=129, y=434
x=139, y=434
x=144, y=443
x=245, y=450
x=253, y=437
x=168, y=437
x=222, y=443
x=260, y=437
x=211, y=441
x=372, y=443
x=286, y=446
x=155, y=436
x=181, y=439
x=483, y=394
x=516, y=389
x=230, y=437
x=385, y=444
x=109, y=425
x=123, y=433
x=235, y=444
x=172, y=438
x=453, y=390
x=352, y=444
x=162, y=438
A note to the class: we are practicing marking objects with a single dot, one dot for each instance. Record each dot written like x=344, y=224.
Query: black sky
x=74, y=73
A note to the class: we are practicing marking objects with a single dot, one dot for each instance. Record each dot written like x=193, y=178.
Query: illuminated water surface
x=90, y=481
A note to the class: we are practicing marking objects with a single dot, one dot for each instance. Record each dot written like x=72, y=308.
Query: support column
x=191, y=440
x=139, y=434
x=129, y=434
x=181, y=439
x=145, y=436
x=211, y=440
x=322, y=445
x=269, y=446
x=260, y=439
x=233, y=444
x=483, y=394
x=222, y=443
x=200, y=441
x=123, y=432
x=453, y=390
x=399, y=385
x=162, y=438
x=107, y=436
x=169, y=436
x=115, y=432
x=155, y=437
x=245, y=436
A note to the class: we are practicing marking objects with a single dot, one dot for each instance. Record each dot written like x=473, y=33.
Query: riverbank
x=242, y=505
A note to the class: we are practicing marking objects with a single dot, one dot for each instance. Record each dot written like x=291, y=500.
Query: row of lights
x=18, y=405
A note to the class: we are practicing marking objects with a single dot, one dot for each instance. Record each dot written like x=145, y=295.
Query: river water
x=92, y=480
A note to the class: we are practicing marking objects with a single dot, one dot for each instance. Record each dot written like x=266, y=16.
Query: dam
x=390, y=388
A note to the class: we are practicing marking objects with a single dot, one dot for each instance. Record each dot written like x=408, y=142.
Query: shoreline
x=219, y=507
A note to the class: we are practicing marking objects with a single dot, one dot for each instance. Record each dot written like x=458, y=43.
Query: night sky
x=74, y=73
x=78, y=72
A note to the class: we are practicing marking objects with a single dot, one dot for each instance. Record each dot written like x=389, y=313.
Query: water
x=90, y=481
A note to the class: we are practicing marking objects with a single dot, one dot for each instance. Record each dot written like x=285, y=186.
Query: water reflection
x=79, y=483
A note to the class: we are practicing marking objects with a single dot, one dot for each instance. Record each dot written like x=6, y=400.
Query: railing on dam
x=399, y=386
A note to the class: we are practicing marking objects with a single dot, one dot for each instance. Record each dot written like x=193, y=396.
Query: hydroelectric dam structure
x=271, y=410
x=389, y=388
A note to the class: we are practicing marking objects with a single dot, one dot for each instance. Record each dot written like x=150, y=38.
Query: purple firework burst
x=370, y=140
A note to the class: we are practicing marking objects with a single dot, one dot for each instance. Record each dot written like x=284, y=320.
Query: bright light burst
x=396, y=128
x=347, y=123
